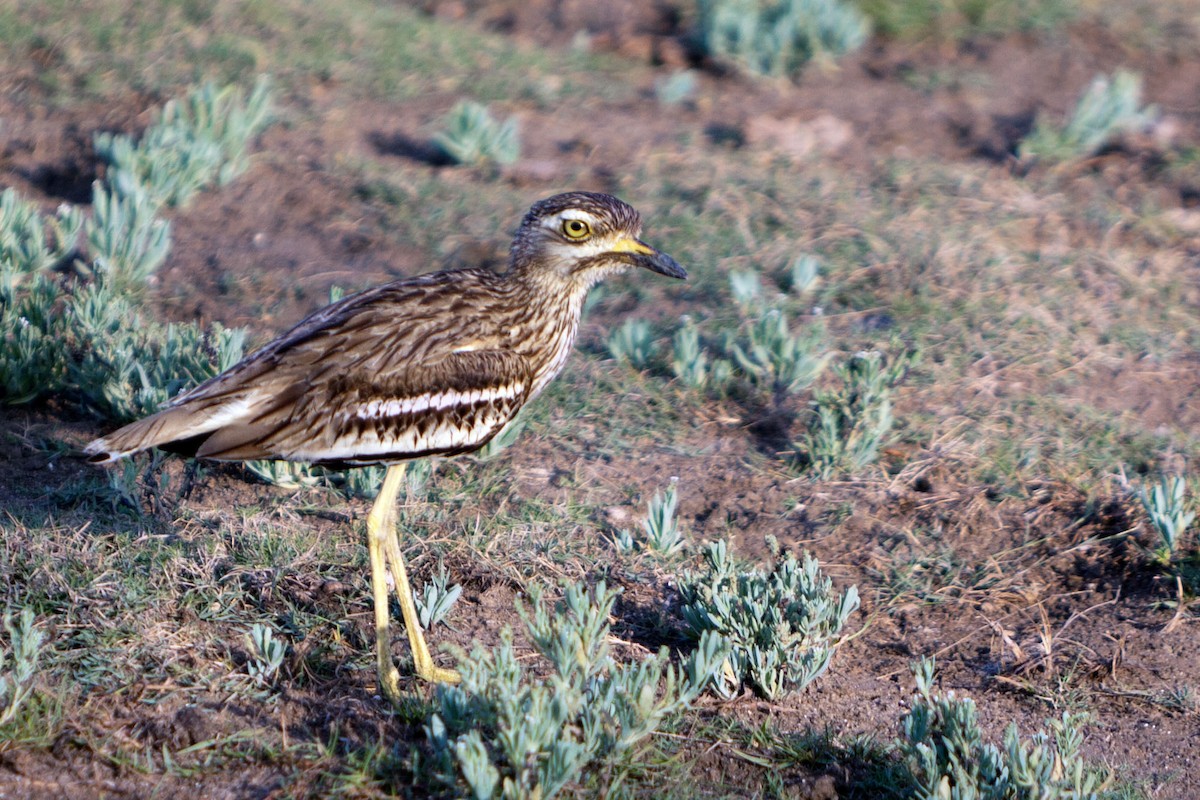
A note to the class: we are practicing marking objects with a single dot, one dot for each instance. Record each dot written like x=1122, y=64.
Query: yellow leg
x=384, y=547
x=422, y=660
x=379, y=524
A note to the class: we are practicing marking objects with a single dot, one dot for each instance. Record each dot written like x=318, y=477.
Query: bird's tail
x=180, y=429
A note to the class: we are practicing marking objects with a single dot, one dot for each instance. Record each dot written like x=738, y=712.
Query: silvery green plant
x=783, y=624
x=436, y=598
x=474, y=137
x=365, y=482
x=804, y=274
x=18, y=662
x=948, y=759
x=126, y=240
x=1109, y=107
x=689, y=361
x=662, y=533
x=624, y=542
x=633, y=343
x=507, y=436
x=32, y=344
x=128, y=367
x=25, y=247
x=123, y=485
x=851, y=422
x=266, y=655
x=777, y=38
x=284, y=474
x=505, y=734
x=776, y=359
x=33, y=354
x=675, y=89
x=1170, y=514
x=360, y=482
x=196, y=142
x=416, y=477
x=747, y=290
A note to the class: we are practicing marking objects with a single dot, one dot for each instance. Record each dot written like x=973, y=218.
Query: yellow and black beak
x=643, y=255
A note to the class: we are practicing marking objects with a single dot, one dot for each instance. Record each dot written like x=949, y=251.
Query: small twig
x=1180, y=608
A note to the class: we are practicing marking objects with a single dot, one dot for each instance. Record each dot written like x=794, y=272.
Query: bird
x=432, y=365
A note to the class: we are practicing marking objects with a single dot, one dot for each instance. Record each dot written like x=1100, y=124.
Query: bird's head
x=581, y=237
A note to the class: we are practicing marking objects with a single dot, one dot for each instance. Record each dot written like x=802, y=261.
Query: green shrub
x=746, y=288
x=284, y=474
x=436, y=598
x=84, y=338
x=127, y=367
x=804, y=274
x=361, y=482
x=661, y=532
x=18, y=662
x=675, y=89
x=783, y=625
x=690, y=361
x=1108, y=108
x=266, y=655
x=126, y=240
x=25, y=247
x=851, y=422
x=507, y=436
x=777, y=360
x=473, y=137
x=1170, y=515
x=33, y=355
x=633, y=343
x=502, y=733
x=778, y=37
x=948, y=759
x=195, y=142
x=32, y=348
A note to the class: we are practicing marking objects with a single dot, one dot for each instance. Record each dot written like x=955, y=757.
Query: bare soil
x=1054, y=601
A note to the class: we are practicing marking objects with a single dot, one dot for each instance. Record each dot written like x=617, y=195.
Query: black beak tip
x=665, y=265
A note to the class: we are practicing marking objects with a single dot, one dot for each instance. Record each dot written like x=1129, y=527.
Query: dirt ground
x=1055, y=601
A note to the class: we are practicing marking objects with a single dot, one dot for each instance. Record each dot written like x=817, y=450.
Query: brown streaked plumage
x=437, y=364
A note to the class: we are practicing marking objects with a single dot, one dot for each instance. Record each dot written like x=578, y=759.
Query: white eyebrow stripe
x=570, y=213
x=436, y=401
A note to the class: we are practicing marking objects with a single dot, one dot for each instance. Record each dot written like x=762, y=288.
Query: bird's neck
x=552, y=310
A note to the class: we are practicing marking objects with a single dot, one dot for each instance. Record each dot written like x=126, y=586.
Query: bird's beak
x=646, y=256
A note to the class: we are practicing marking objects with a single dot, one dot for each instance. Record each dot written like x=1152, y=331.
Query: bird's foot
x=432, y=673
x=389, y=683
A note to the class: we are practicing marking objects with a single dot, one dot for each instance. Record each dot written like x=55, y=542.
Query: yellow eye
x=575, y=228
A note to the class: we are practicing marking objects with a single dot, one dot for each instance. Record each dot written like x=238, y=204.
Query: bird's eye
x=575, y=228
